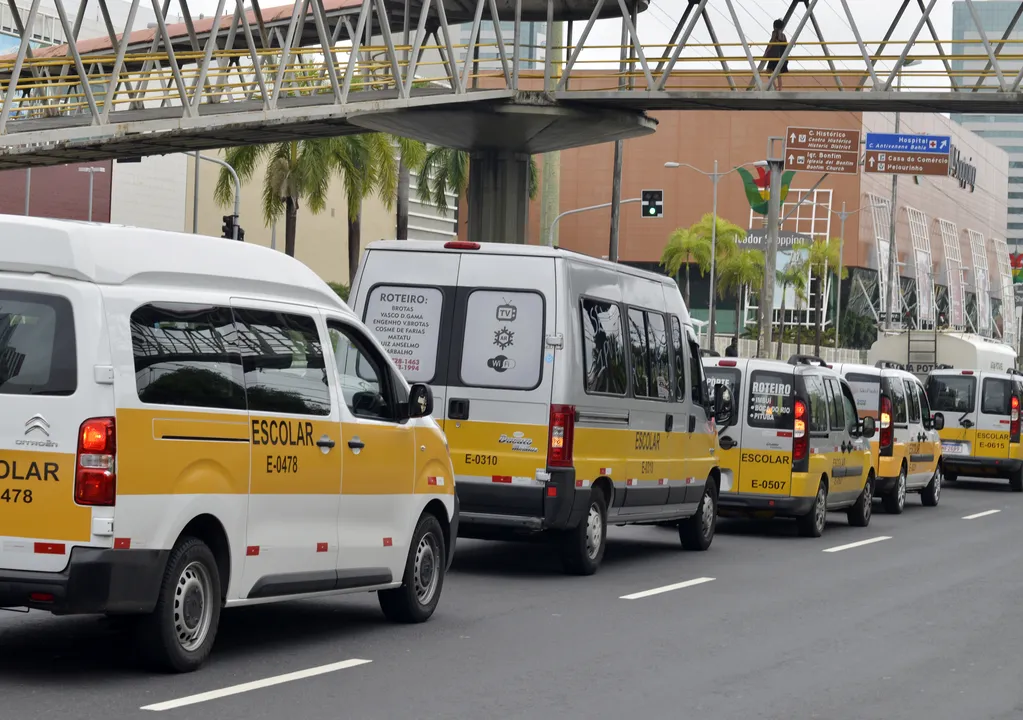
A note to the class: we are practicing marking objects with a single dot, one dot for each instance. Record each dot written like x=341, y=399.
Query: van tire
x=932, y=493
x=1016, y=481
x=191, y=577
x=859, y=514
x=582, y=547
x=423, y=581
x=812, y=524
x=895, y=501
x=697, y=532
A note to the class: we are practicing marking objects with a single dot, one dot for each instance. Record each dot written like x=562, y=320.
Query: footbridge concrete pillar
x=498, y=196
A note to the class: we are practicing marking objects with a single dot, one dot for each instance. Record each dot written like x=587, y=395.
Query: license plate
x=954, y=448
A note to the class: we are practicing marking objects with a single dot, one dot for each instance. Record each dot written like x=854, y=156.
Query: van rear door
x=994, y=418
x=46, y=392
x=407, y=300
x=955, y=397
x=499, y=381
x=765, y=466
x=725, y=372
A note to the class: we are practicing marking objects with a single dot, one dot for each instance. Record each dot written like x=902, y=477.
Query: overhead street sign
x=824, y=150
x=901, y=142
x=905, y=163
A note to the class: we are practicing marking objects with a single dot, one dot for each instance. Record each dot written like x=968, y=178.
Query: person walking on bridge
x=775, y=50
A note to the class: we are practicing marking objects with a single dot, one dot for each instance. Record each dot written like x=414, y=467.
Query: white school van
x=570, y=388
x=188, y=423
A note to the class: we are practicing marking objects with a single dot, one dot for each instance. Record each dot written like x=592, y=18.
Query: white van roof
x=527, y=250
x=118, y=255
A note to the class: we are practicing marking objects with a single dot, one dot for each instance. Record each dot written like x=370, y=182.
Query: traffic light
x=228, y=227
x=241, y=233
x=653, y=203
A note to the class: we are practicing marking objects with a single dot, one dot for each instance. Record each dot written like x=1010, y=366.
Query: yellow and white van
x=907, y=453
x=572, y=391
x=795, y=447
x=981, y=436
x=190, y=423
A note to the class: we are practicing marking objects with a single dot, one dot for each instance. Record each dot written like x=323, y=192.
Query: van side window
x=680, y=359
x=607, y=372
x=995, y=397
x=185, y=355
x=362, y=374
x=913, y=400
x=770, y=400
x=852, y=421
x=897, y=391
x=283, y=362
x=660, y=361
x=641, y=385
x=818, y=398
x=925, y=406
x=696, y=377
x=836, y=411
x=504, y=338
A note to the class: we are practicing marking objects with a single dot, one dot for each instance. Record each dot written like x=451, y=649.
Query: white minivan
x=570, y=388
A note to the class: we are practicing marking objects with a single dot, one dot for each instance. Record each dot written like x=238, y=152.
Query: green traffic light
x=653, y=211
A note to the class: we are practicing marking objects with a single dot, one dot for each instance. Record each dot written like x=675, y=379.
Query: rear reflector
x=41, y=597
x=552, y=491
x=49, y=548
x=461, y=245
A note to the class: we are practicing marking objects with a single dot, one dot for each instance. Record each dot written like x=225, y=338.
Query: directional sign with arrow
x=901, y=154
x=822, y=150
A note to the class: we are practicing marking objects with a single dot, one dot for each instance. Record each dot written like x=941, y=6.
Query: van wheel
x=582, y=547
x=1016, y=481
x=932, y=493
x=178, y=636
x=859, y=514
x=417, y=598
x=697, y=532
x=812, y=524
x=895, y=501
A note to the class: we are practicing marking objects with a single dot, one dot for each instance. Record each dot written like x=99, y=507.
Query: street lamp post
x=92, y=174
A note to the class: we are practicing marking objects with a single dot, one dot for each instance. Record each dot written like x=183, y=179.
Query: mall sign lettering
x=961, y=170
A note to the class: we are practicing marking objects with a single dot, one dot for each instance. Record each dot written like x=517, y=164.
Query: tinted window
x=994, y=397
x=283, y=362
x=504, y=339
x=770, y=400
x=866, y=391
x=836, y=410
x=406, y=322
x=730, y=378
x=696, y=377
x=660, y=362
x=818, y=397
x=913, y=400
x=363, y=374
x=925, y=406
x=186, y=355
x=951, y=393
x=604, y=348
x=37, y=345
x=849, y=405
x=640, y=360
x=897, y=392
x=680, y=359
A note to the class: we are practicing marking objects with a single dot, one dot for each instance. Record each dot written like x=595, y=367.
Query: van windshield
x=770, y=400
x=866, y=390
x=37, y=345
x=951, y=393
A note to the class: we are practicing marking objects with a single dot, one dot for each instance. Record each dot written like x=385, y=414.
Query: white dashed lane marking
x=666, y=588
x=861, y=543
x=980, y=514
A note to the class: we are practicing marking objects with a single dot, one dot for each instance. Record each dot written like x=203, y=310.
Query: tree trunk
x=354, y=244
x=781, y=322
x=817, y=315
x=799, y=326
x=740, y=294
x=687, y=295
x=290, y=225
x=403, y=190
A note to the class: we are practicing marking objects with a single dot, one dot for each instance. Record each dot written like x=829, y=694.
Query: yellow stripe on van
x=505, y=449
x=37, y=497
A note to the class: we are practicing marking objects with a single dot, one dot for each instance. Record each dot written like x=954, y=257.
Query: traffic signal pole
x=237, y=187
x=554, y=225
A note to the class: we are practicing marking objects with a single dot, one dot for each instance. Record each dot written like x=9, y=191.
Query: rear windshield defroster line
x=38, y=354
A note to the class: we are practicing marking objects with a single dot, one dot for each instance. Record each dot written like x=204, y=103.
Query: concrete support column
x=498, y=196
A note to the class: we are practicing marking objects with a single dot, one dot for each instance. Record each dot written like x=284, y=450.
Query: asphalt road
x=923, y=624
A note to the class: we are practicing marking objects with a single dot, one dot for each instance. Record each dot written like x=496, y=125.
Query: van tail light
x=95, y=467
x=562, y=436
x=461, y=245
x=1014, y=420
x=887, y=436
x=800, y=438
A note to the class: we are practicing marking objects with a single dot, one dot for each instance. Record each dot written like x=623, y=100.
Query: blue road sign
x=899, y=142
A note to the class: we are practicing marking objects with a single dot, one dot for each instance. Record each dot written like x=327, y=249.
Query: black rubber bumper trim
x=982, y=466
x=95, y=580
x=782, y=505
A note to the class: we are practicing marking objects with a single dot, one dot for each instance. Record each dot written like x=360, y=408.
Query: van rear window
x=995, y=397
x=866, y=390
x=406, y=321
x=504, y=337
x=770, y=400
x=951, y=393
x=38, y=355
x=730, y=378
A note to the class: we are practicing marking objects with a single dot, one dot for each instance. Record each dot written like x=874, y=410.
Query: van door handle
x=692, y=423
x=458, y=409
x=356, y=444
x=669, y=422
x=325, y=442
x=726, y=443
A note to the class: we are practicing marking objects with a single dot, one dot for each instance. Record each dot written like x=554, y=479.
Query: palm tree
x=794, y=276
x=728, y=235
x=739, y=272
x=684, y=246
x=823, y=256
x=296, y=171
x=446, y=170
x=411, y=153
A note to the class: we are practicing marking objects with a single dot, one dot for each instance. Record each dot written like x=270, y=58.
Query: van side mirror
x=868, y=427
x=938, y=421
x=420, y=401
x=722, y=405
